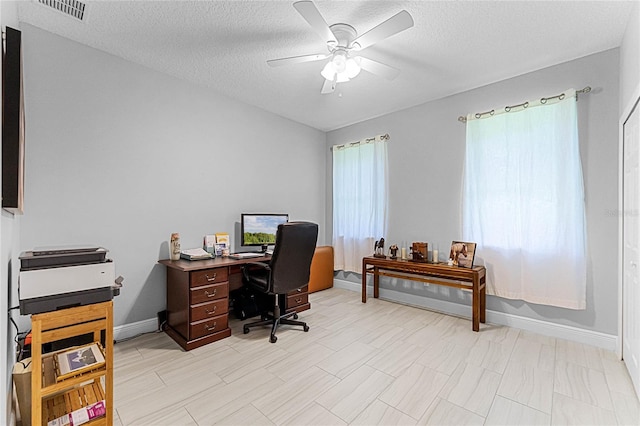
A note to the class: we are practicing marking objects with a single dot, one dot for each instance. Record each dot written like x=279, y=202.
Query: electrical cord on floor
x=19, y=338
x=159, y=330
x=125, y=339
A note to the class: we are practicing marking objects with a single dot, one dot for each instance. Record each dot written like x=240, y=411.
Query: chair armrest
x=245, y=267
x=263, y=265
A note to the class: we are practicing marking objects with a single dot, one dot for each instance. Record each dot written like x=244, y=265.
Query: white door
x=631, y=247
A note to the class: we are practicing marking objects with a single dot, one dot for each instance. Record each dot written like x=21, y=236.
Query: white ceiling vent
x=72, y=8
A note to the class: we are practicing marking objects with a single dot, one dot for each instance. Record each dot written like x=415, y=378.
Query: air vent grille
x=73, y=8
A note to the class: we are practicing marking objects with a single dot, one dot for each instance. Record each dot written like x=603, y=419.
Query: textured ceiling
x=454, y=46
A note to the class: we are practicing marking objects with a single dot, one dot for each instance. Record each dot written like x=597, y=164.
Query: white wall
x=122, y=156
x=426, y=154
x=630, y=58
x=9, y=230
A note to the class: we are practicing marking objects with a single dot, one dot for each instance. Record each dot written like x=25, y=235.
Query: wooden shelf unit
x=46, y=393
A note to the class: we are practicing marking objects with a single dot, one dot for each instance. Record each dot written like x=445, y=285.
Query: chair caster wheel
x=245, y=329
x=295, y=316
x=306, y=328
x=273, y=339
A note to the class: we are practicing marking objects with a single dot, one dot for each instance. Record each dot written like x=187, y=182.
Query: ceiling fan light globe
x=352, y=68
x=339, y=61
x=328, y=72
x=342, y=77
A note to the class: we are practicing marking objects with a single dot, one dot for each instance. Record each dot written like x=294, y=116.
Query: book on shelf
x=81, y=415
x=77, y=360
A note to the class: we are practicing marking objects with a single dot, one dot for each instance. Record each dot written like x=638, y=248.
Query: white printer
x=63, y=277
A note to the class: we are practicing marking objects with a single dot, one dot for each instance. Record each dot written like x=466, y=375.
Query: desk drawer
x=209, y=309
x=209, y=326
x=209, y=276
x=208, y=293
x=304, y=289
x=297, y=300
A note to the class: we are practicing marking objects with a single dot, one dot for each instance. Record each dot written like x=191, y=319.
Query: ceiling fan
x=343, y=42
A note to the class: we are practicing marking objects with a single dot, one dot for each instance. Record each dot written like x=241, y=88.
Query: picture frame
x=77, y=360
x=462, y=253
x=419, y=252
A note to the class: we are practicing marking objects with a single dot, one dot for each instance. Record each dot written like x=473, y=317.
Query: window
x=359, y=200
x=523, y=202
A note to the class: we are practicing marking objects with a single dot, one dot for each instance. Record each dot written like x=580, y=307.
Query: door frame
x=624, y=116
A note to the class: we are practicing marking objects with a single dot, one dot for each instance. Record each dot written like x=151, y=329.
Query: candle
x=435, y=256
x=403, y=253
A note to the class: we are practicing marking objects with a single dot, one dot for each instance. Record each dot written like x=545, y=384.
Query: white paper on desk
x=195, y=252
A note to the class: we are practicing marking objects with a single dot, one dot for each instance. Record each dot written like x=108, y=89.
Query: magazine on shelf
x=81, y=415
x=78, y=360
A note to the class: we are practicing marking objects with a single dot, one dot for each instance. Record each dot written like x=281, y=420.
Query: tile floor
x=367, y=364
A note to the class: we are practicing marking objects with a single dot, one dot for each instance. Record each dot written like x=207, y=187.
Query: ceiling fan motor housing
x=345, y=34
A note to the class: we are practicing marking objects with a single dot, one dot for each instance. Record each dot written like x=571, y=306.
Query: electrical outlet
x=162, y=319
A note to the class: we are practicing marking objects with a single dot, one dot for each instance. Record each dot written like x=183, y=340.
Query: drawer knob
x=211, y=312
x=299, y=300
x=299, y=290
x=212, y=294
x=209, y=327
x=212, y=278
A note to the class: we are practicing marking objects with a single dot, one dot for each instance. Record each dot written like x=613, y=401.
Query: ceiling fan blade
x=295, y=60
x=378, y=68
x=397, y=23
x=328, y=87
x=311, y=14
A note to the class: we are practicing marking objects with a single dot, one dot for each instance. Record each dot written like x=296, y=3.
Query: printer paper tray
x=55, y=302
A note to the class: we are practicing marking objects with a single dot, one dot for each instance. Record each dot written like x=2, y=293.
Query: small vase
x=174, y=246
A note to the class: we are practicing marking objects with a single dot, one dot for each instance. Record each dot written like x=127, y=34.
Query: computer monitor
x=259, y=229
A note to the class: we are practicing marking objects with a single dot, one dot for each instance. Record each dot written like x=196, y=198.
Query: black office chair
x=288, y=270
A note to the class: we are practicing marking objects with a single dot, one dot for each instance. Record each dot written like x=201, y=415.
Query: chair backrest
x=292, y=255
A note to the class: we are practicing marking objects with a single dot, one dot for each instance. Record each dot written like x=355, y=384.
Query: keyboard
x=245, y=255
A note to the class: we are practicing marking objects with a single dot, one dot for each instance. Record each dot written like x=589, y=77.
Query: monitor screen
x=259, y=229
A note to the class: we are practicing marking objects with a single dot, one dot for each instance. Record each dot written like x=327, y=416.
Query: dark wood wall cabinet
x=198, y=299
x=13, y=125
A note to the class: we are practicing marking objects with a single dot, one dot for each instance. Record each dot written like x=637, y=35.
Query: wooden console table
x=473, y=279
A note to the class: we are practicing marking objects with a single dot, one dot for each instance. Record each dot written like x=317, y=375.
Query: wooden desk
x=198, y=298
x=473, y=279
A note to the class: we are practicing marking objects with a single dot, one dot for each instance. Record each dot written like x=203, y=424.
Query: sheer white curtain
x=360, y=188
x=523, y=202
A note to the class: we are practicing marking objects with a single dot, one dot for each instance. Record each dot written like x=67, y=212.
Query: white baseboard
x=575, y=334
x=134, y=329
